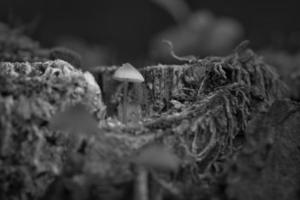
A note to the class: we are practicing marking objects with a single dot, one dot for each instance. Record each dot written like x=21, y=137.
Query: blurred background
x=111, y=32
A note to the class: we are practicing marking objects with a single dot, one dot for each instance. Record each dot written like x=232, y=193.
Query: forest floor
x=213, y=128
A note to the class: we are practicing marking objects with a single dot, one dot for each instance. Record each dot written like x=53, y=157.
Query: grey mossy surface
x=31, y=93
x=199, y=110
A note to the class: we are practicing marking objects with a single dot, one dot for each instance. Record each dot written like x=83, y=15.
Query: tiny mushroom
x=127, y=73
x=155, y=157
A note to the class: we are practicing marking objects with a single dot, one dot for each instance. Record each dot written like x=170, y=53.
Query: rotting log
x=218, y=96
x=199, y=110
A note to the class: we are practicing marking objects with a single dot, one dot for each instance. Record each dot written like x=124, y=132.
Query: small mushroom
x=127, y=73
x=155, y=157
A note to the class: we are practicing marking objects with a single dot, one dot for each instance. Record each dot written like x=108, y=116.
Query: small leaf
x=75, y=120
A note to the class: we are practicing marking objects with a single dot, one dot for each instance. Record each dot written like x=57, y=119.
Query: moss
x=28, y=100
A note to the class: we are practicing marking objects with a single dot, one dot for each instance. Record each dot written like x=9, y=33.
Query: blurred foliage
x=91, y=55
x=201, y=33
x=288, y=67
x=14, y=46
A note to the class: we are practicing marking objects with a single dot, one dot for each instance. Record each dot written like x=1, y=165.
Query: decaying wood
x=197, y=109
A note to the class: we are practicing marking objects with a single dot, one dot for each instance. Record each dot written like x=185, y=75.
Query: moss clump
x=30, y=94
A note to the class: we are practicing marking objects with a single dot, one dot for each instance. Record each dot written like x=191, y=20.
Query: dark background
x=126, y=26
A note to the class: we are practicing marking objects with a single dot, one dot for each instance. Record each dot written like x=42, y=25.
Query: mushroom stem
x=125, y=102
x=156, y=192
x=141, y=184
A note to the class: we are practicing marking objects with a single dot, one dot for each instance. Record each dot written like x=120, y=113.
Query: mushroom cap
x=158, y=157
x=128, y=73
